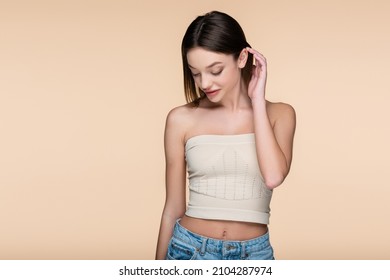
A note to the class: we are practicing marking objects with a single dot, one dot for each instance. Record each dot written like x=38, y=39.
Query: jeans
x=186, y=245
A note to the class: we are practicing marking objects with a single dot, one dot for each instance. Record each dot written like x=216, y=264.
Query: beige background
x=84, y=90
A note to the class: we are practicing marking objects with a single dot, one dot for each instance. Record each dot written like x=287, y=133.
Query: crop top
x=224, y=177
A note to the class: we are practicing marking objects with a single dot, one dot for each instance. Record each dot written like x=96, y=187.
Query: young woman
x=235, y=145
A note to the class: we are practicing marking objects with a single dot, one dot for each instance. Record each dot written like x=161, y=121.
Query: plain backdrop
x=85, y=87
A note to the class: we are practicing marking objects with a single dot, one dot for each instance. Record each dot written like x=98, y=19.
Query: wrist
x=260, y=101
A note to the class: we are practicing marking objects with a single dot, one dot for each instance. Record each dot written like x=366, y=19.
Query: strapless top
x=224, y=178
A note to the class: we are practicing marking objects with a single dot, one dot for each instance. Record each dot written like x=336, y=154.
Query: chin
x=215, y=98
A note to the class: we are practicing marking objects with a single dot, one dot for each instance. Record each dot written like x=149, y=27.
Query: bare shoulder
x=179, y=119
x=281, y=112
x=180, y=115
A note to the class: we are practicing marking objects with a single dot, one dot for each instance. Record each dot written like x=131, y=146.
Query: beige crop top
x=224, y=179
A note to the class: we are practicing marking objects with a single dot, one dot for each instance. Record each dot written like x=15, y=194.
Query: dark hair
x=218, y=32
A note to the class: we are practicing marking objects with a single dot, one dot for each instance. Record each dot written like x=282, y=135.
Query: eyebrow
x=211, y=65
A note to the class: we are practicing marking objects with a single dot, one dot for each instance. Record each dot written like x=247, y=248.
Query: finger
x=255, y=71
x=261, y=64
x=254, y=52
x=258, y=70
x=259, y=58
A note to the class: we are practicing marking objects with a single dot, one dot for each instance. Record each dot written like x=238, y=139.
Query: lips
x=212, y=92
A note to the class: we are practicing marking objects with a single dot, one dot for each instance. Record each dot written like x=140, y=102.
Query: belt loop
x=243, y=253
x=203, y=248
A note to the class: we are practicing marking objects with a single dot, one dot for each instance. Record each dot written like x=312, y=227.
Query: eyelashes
x=212, y=73
x=216, y=73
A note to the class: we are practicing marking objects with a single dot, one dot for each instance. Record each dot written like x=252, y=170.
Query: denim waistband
x=217, y=245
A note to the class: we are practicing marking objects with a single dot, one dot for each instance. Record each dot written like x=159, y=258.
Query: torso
x=205, y=119
x=225, y=230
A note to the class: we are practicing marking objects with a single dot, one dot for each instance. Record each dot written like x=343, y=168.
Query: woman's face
x=217, y=74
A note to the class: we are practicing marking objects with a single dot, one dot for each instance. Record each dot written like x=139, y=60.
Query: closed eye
x=216, y=73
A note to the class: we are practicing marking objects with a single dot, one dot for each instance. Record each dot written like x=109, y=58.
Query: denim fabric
x=186, y=245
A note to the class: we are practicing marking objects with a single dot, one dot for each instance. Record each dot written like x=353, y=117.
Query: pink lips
x=212, y=92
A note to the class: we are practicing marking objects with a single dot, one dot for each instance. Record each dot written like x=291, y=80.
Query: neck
x=237, y=99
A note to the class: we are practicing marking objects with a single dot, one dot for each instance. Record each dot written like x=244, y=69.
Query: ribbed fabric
x=225, y=182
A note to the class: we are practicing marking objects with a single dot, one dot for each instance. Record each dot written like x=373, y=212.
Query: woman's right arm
x=175, y=177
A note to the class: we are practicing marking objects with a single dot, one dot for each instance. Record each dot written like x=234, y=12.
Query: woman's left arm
x=274, y=141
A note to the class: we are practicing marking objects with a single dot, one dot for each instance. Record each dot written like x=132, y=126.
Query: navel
x=224, y=234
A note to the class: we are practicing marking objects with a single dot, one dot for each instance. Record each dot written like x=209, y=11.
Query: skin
x=229, y=108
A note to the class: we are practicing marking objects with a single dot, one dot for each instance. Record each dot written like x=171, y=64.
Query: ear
x=242, y=58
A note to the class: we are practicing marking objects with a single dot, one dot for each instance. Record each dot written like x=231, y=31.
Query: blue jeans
x=186, y=245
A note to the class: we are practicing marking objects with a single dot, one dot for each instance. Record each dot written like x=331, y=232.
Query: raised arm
x=274, y=141
x=175, y=176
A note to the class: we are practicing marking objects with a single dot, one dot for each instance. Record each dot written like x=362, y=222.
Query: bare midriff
x=224, y=230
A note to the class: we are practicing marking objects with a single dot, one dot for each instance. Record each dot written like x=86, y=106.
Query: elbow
x=173, y=212
x=273, y=182
x=275, y=178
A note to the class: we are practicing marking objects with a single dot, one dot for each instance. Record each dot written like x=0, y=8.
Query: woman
x=235, y=145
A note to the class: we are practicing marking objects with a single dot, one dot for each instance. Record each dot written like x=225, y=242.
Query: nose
x=205, y=82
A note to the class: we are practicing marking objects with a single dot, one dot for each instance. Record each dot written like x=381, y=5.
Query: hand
x=256, y=87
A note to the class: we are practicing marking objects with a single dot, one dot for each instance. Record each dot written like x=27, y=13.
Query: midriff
x=224, y=230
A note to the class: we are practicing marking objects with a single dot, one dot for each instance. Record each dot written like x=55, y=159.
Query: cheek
x=230, y=77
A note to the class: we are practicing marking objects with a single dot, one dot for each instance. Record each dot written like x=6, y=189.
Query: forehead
x=201, y=58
